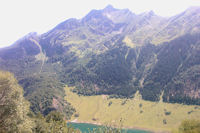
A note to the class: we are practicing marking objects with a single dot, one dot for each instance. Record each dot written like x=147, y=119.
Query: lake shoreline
x=129, y=128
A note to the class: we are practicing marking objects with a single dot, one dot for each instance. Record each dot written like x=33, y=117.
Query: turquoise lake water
x=85, y=128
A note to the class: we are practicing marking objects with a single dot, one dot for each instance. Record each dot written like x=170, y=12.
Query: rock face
x=110, y=51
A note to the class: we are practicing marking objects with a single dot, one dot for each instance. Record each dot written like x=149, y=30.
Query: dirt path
x=41, y=56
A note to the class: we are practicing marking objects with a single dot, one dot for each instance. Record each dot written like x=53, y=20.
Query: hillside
x=112, y=52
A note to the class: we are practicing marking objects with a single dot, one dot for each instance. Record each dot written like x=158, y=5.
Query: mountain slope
x=178, y=25
x=109, y=51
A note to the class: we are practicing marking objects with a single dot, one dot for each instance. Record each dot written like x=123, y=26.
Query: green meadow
x=129, y=113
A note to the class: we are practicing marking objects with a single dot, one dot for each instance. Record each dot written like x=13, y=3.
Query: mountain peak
x=148, y=13
x=193, y=9
x=151, y=12
x=109, y=8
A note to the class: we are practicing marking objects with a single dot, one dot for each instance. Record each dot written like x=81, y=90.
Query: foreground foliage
x=189, y=126
x=53, y=123
x=13, y=106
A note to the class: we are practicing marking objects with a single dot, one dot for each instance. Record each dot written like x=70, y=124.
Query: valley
x=129, y=113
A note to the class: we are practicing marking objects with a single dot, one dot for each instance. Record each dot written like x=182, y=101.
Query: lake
x=85, y=128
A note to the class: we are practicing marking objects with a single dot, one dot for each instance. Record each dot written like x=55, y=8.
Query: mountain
x=110, y=51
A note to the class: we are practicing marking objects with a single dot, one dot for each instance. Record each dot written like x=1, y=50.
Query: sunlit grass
x=129, y=42
x=134, y=113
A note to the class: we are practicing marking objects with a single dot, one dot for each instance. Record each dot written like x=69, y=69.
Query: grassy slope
x=149, y=115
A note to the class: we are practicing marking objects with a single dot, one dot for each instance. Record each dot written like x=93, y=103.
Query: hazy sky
x=19, y=17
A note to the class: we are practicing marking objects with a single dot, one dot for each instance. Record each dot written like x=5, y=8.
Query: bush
x=189, y=126
x=167, y=113
x=76, y=115
x=109, y=103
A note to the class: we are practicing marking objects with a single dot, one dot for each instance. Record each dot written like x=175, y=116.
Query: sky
x=20, y=17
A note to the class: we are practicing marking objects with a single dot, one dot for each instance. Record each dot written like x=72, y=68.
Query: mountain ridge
x=110, y=51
